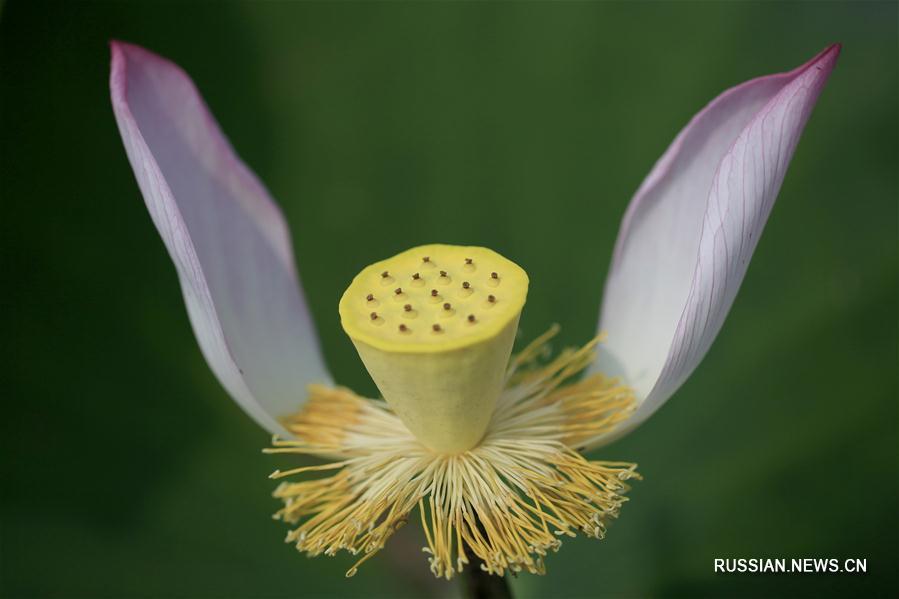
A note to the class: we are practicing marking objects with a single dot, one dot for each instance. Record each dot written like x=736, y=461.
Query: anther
x=466, y=285
x=416, y=276
x=442, y=273
x=403, y=328
x=493, y=275
x=398, y=290
x=407, y=307
x=426, y=259
x=385, y=274
x=491, y=298
x=471, y=318
x=447, y=306
x=433, y=293
x=436, y=328
x=370, y=297
x=374, y=315
x=468, y=261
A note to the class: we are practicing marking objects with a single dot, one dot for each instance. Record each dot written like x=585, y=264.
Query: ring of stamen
x=509, y=500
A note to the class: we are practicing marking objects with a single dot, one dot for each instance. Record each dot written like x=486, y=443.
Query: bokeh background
x=128, y=472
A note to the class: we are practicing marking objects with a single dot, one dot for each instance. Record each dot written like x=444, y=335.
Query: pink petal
x=227, y=238
x=690, y=230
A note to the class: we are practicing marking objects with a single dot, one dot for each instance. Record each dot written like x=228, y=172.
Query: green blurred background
x=128, y=472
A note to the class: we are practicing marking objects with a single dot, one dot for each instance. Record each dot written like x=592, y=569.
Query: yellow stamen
x=507, y=500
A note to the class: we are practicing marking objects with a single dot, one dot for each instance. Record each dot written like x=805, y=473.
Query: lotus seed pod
x=434, y=326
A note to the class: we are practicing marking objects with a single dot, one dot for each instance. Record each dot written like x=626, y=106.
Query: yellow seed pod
x=434, y=326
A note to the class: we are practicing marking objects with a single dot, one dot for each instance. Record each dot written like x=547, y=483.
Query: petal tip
x=826, y=59
x=123, y=52
x=119, y=47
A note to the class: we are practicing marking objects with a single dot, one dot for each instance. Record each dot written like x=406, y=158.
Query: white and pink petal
x=229, y=242
x=688, y=234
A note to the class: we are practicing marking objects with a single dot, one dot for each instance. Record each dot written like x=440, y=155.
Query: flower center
x=434, y=326
x=509, y=500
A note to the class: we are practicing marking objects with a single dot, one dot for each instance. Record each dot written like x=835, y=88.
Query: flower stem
x=481, y=585
x=478, y=583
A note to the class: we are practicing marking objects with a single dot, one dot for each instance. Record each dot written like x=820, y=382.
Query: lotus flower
x=486, y=448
